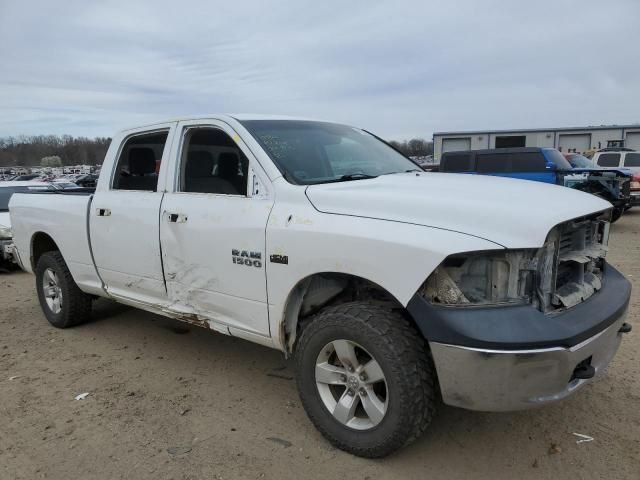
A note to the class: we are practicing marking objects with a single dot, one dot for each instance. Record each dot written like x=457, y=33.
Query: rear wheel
x=62, y=302
x=365, y=378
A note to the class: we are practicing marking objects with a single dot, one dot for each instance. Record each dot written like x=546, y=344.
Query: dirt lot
x=173, y=401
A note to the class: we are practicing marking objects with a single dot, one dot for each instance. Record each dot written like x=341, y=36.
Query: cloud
x=400, y=69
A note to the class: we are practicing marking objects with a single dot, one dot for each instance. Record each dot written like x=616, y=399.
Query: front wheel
x=62, y=302
x=365, y=378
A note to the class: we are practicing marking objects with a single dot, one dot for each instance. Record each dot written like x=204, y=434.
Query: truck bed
x=61, y=215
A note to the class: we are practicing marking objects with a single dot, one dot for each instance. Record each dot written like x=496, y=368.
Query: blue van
x=545, y=165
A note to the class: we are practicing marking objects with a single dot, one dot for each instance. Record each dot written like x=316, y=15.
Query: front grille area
x=580, y=247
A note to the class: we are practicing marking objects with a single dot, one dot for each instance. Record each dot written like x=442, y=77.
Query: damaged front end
x=564, y=272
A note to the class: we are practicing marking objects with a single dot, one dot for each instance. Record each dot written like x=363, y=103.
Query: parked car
x=388, y=285
x=578, y=161
x=25, y=177
x=635, y=190
x=622, y=158
x=7, y=189
x=545, y=165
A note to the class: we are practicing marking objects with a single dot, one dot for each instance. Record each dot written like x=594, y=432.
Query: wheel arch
x=317, y=290
x=41, y=243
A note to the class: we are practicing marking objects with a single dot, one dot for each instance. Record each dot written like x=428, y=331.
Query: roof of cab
x=221, y=116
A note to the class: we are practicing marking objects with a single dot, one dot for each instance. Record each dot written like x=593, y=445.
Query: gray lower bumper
x=498, y=380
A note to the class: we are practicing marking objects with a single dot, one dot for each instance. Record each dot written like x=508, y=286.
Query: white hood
x=512, y=213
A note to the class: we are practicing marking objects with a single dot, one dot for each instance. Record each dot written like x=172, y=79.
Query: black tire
x=76, y=305
x=616, y=213
x=402, y=354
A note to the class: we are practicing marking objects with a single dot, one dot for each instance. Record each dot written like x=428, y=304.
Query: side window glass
x=493, y=162
x=524, y=162
x=457, y=162
x=609, y=159
x=139, y=162
x=213, y=163
x=632, y=160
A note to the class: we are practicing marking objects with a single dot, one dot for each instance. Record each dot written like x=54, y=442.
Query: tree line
x=416, y=147
x=29, y=151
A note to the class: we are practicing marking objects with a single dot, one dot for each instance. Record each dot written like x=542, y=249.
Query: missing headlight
x=483, y=278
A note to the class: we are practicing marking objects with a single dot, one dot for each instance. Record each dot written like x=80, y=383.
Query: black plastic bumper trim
x=523, y=327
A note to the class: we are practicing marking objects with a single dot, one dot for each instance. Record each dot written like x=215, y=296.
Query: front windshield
x=580, y=161
x=317, y=152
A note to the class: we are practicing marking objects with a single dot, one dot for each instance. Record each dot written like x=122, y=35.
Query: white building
x=574, y=139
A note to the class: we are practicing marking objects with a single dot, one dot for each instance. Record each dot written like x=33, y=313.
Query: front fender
x=397, y=256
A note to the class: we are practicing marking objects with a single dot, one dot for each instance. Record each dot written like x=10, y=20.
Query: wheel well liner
x=320, y=289
x=41, y=243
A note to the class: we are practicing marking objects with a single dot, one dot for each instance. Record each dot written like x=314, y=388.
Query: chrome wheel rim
x=351, y=385
x=52, y=291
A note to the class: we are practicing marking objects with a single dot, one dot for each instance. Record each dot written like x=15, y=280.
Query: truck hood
x=512, y=213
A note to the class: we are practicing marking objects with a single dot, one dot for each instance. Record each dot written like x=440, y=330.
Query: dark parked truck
x=388, y=285
x=545, y=165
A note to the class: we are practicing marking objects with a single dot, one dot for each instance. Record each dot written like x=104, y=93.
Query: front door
x=212, y=230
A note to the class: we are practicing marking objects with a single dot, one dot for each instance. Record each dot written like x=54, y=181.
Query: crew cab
x=388, y=286
x=545, y=165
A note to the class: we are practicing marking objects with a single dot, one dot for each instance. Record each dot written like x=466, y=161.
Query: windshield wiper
x=356, y=176
x=349, y=177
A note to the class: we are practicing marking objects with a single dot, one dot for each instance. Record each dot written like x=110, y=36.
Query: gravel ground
x=168, y=400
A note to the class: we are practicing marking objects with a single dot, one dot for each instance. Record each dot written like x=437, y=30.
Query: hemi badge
x=279, y=259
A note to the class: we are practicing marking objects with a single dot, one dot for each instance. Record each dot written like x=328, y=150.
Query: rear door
x=124, y=218
x=212, y=230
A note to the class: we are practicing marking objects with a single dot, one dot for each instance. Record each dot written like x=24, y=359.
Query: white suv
x=627, y=159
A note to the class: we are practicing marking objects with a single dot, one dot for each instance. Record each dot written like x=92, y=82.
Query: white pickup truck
x=390, y=286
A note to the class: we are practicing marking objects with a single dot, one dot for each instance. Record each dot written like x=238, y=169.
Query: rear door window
x=609, y=160
x=632, y=160
x=139, y=162
x=511, y=162
x=457, y=162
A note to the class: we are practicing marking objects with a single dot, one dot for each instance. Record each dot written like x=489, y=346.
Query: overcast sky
x=401, y=69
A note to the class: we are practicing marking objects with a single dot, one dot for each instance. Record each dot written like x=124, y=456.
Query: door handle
x=103, y=212
x=176, y=217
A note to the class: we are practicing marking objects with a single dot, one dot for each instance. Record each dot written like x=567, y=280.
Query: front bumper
x=495, y=380
x=511, y=358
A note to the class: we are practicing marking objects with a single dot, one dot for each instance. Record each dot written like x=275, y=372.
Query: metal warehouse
x=573, y=139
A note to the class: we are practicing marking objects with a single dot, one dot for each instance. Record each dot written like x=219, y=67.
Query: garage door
x=575, y=142
x=633, y=140
x=456, y=144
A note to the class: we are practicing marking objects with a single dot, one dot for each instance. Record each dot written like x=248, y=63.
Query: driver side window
x=212, y=162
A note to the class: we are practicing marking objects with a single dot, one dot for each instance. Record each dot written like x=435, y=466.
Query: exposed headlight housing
x=5, y=233
x=483, y=278
x=565, y=271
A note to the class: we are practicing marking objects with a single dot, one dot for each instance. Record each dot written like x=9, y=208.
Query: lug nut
x=343, y=378
x=363, y=392
x=350, y=392
x=363, y=377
